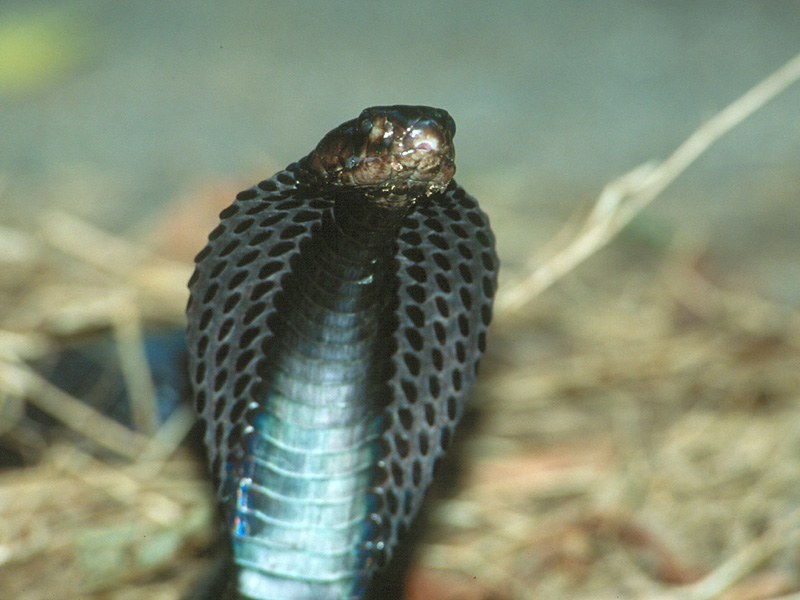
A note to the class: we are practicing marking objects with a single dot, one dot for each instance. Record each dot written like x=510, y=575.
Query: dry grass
x=639, y=434
x=128, y=525
x=653, y=456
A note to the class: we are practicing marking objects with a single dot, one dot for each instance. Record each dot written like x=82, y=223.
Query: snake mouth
x=394, y=149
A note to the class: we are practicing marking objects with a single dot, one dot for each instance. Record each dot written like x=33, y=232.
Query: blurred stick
x=781, y=534
x=23, y=382
x=159, y=283
x=92, y=245
x=623, y=198
x=129, y=339
x=166, y=439
x=122, y=485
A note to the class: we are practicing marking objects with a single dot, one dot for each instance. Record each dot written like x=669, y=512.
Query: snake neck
x=333, y=313
x=369, y=221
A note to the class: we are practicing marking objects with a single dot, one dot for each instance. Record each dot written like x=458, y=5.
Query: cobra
x=336, y=320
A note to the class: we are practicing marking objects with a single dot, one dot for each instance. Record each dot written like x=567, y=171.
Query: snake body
x=336, y=320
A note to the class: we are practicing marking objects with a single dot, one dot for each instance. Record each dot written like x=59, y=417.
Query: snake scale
x=336, y=319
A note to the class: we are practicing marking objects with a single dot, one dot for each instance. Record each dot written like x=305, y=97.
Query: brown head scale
x=389, y=150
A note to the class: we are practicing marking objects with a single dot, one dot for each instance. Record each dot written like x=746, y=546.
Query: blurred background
x=640, y=418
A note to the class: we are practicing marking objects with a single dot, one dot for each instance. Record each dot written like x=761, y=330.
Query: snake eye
x=365, y=125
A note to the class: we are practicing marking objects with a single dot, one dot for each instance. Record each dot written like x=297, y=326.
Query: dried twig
x=129, y=339
x=779, y=536
x=625, y=197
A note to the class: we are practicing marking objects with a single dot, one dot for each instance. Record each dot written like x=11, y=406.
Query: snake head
x=390, y=149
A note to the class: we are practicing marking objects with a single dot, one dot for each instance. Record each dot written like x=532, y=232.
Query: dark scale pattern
x=447, y=275
x=232, y=293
